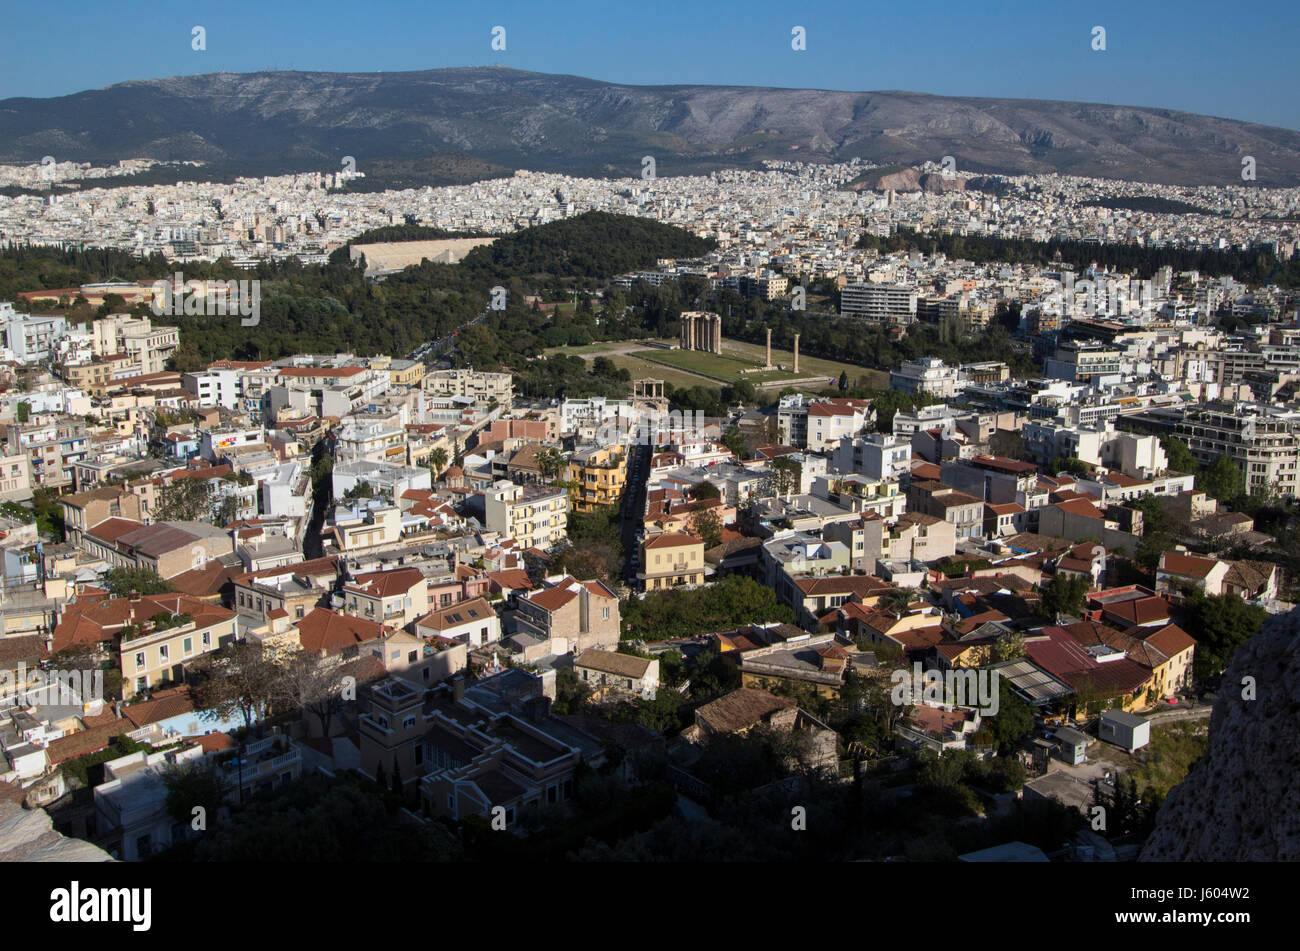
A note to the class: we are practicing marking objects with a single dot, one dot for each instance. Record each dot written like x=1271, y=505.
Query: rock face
x=1241, y=801
x=296, y=121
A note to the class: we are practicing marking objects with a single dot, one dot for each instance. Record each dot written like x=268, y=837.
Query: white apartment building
x=148, y=347
x=214, y=387
x=536, y=515
x=1264, y=441
x=596, y=411
x=876, y=455
x=927, y=375
x=370, y=441
x=880, y=303
x=30, y=338
x=818, y=423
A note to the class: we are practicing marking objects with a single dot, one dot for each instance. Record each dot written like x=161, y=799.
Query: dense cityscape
x=803, y=511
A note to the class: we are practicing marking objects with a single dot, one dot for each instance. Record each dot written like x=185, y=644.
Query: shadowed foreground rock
x=1241, y=801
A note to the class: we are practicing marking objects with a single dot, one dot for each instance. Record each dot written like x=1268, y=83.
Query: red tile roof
x=327, y=631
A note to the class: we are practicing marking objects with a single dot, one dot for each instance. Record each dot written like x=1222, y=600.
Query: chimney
x=458, y=687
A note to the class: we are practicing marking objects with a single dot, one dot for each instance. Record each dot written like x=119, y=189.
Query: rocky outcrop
x=1241, y=801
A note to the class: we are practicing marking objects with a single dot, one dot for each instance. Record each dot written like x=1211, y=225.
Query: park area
x=696, y=367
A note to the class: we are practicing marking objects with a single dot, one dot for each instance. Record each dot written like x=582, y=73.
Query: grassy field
x=1173, y=750
x=695, y=367
x=729, y=369
x=878, y=379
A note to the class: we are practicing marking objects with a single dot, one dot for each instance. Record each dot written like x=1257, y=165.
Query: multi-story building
x=880, y=303
x=215, y=386
x=876, y=455
x=963, y=511
x=1263, y=440
x=294, y=589
x=476, y=384
x=597, y=477
x=670, y=559
x=929, y=376
x=156, y=648
x=535, y=516
x=31, y=338
x=820, y=423
x=395, y=597
x=472, y=622
x=15, y=477
x=581, y=614
x=1080, y=361
x=147, y=346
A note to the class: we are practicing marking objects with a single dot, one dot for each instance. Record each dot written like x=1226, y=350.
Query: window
x=187, y=645
x=419, y=755
x=162, y=653
x=552, y=793
x=408, y=723
x=139, y=659
x=207, y=639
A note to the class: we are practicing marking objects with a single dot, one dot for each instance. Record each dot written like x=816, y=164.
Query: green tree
x=786, y=475
x=1014, y=721
x=183, y=500
x=1179, y=456
x=1220, y=624
x=1065, y=594
x=706, y=491
x=121, y=582
x=708, y=527
x=191, y=786
x=1222, y=480
x=438, y=460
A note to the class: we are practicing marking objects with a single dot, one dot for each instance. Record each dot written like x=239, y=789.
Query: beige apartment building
x=158, y=653
x=670, y=559
x=472, y=383
x=395, y=598
x=15, y=478
x=536, y=516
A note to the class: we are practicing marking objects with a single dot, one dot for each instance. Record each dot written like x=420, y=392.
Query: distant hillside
x=402, y=128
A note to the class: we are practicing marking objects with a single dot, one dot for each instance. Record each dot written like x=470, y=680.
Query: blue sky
x=1227, y=59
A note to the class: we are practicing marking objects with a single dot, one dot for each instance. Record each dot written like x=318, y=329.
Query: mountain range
x=441, y=125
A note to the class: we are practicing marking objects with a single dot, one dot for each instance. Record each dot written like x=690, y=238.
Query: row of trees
x=731, y=602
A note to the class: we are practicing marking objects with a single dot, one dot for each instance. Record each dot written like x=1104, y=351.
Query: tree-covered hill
x=333, y=307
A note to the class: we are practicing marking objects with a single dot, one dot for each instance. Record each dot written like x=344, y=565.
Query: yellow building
x=596, y=477
x=406, y=372
x=669, y=559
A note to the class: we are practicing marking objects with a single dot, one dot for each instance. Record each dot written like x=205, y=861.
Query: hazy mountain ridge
x=296, y=121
